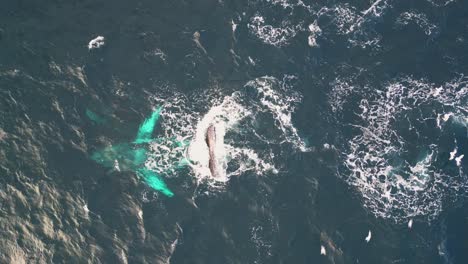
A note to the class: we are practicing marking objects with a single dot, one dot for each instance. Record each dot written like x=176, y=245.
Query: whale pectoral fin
x=147, y=127
x=154, y=181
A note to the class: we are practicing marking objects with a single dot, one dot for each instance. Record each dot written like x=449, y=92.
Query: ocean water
x=341, y=131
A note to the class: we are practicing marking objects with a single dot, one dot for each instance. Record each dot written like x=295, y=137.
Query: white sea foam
x=281, y=102
x=278, y=30
x=346, y=20
x=349, y=20
x=158, y=53
x=393, y=185
x=343, y=18
x=224, y=117
x=341, y=90
x=290, y=5
x=251, y=126
x=314, y=32
x=419, y=19
x=276, y=36
x=262, y=245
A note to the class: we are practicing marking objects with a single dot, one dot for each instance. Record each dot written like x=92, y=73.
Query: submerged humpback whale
x=210, y=139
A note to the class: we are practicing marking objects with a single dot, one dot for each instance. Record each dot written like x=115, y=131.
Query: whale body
x=210, y=139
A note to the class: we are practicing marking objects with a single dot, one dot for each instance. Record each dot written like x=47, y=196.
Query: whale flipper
x=146, y=129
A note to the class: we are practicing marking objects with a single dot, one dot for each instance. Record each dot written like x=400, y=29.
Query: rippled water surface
x=341, y=131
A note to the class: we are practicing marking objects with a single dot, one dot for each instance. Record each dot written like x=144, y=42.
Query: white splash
x=96, y=43
x=393, y=186
x=224, y=117
x=250, y=125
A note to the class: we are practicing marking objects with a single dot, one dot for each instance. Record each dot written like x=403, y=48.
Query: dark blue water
x=342, y=119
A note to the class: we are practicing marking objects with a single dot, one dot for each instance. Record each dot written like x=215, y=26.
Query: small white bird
x=459, y=159
x=453, y=154
x=410, y=223
x=323, y=251
x=368, y=237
